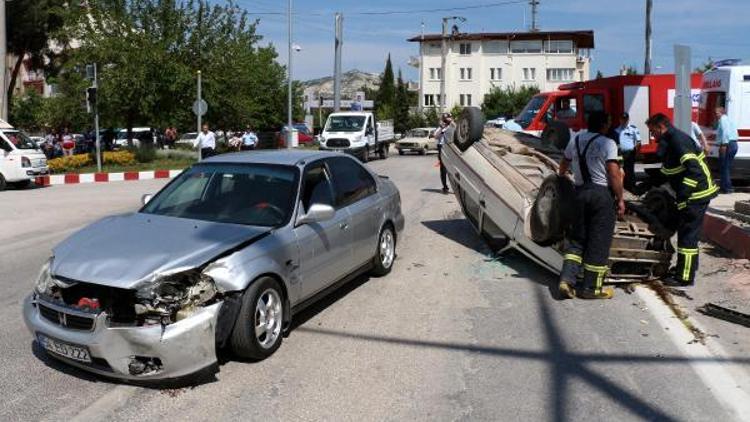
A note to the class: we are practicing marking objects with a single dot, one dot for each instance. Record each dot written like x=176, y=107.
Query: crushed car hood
x=126, y=250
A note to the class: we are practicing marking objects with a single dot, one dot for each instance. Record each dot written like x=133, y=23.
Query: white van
x=729, y=87
x=357, y=133
x=139, y=135
x=20, y=159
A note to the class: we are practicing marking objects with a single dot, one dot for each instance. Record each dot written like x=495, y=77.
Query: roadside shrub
x=70, y=163
x=145, y=154
x=119, y=158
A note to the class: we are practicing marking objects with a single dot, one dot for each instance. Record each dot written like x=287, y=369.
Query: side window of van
x=5, y=146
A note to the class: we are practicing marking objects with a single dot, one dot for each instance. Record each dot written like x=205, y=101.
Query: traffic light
x=90, y=98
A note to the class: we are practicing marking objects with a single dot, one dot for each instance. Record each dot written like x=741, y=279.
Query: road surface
x=451, y=334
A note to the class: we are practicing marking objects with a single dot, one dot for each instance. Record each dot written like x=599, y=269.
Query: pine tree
x=401, y=119
x=385, y=101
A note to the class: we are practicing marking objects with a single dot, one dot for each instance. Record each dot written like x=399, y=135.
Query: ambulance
x=548, y=114
x=727, y=86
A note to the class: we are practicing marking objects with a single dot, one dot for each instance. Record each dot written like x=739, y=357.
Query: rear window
x=709, y=102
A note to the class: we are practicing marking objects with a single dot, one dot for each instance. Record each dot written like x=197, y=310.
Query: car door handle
x=344, y=226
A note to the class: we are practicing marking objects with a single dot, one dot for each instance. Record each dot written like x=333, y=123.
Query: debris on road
x=726, y=314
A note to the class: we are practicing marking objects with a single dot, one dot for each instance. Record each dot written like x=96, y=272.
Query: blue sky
x=712, y=28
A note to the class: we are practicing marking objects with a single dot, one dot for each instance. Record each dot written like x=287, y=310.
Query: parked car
x=20, y=158
x=223, y=256
x=187, y=138
x=304, y=136
x=83, y=145
x=140, y=136
x=417, y=140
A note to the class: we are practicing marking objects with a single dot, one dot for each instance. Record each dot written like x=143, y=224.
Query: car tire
x=557, y=134
x=262, y=309
x=469, y=128
x=423, y=151
x=22, y=184
x=400, y=152
x=551, y=212
x=385, y=251
x=3, y=184
x=384, y=151
x=366, y=154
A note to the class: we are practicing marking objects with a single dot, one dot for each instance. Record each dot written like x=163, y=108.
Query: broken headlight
x=173, y=297
x=44, y=282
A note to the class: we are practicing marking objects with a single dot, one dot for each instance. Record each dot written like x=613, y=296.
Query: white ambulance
x=727, y=86
x=21, y=161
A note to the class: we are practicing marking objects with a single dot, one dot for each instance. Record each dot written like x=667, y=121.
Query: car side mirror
x=146, y=198
x=317, y=214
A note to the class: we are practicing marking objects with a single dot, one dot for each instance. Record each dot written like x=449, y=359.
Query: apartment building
x=478, y=62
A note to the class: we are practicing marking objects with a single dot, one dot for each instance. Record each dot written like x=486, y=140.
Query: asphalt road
x=451, y=334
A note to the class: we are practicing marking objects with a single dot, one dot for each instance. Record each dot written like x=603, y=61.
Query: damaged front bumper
x=139, y=353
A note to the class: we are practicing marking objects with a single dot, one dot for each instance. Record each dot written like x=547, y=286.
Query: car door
x=324, y=247
x=357, y=193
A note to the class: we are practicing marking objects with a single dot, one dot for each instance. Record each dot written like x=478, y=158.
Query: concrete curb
x=729, y=236
x=73, y=178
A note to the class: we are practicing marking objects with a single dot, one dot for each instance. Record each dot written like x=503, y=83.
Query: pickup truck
x=509, y=190
x=357, y=133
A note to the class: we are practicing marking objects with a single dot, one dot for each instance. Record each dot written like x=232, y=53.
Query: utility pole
x=444, y=59
x=289, y=134
x=199, y=96
x=4, y=56
x=534, y=4
x=647, y=65
x=96, y=122
x=339, y=21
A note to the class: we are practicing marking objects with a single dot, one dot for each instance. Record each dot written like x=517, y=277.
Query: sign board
x=200, y=107
x=695, y=98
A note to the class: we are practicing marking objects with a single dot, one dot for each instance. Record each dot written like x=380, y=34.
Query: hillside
x=351, y=82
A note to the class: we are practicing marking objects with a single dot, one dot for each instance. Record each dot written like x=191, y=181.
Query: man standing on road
x=596, y=171
x=726, y=139
x=444, y=134
x=629, y=138
x=249, y=139
x=689, y=177
x=170, y=137
x=206, y=142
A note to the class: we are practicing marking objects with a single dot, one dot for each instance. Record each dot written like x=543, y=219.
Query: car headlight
x=44, y=282
x=173, y=297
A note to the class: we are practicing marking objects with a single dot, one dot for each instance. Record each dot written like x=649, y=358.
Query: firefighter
x=684, y=166
x=599, y=197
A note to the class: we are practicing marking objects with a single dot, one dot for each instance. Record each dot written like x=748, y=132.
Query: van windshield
x=345, y=123
x=526, y=116
x=19, y=139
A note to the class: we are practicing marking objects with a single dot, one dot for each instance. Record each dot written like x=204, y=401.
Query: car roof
x=283, y=157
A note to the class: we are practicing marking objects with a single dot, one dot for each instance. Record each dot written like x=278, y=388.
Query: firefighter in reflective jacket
x=599, y=196
x=684, y=166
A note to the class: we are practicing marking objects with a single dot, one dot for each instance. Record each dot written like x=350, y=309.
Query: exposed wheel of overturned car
x=551, y=211
x=258, y=330
x=469, y=128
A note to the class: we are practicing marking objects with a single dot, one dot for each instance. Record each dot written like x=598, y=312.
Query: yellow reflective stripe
x=681, y=205
x=707, y=173
x=688, y=156
x=702, y=155
x=687, y=265
x=704, y=193
x=599, y=282
x=573, y=257
x=596, y=268
x=687, y=251
x=689, y=182
x=672, y=171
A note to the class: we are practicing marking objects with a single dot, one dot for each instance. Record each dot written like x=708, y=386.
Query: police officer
x=685, y=168
x=599, y=196
x=629, y=139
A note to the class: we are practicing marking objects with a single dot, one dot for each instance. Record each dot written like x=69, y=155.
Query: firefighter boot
x=569, y=275
x=593, y=278
x=684, y=272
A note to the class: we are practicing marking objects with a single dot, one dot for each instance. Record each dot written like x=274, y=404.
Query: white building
x=478, y=62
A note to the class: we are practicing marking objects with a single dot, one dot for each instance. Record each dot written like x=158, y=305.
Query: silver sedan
x=223, y=256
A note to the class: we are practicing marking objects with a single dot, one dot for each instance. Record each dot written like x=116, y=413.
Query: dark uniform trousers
x=591, y=236
x=688, y=235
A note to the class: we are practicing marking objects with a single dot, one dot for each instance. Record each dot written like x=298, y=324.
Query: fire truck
x=558, y=115
x=728, y=86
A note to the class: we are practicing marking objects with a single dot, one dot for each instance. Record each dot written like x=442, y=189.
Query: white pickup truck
x=357, y=133
x=21, y=161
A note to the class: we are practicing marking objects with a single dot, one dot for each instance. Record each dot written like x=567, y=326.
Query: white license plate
x=70, y=351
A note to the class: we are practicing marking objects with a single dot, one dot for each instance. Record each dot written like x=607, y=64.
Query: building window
x=465, y=73
x=526, y=46
x=464, y=100
x=529, y=73
x=496, y=73
x=431, y=100
x=464, y=48
x=495, y=47
x=560, y=75
x=559, y=47
x=435, y=73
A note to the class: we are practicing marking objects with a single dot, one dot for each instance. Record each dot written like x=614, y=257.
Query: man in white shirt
x=249, y=139
x=206, y=142
x=697, y=134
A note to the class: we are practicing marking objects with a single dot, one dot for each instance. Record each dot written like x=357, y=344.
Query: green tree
x=507, y=102
x=31, y=27
x=599, y=74
x=385, y=100
x=631, y=70
x=26, y=111
x=402, y=102
x=705, y=66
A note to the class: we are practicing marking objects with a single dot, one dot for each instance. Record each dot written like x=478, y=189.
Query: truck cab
x=21, y=161
x=728, y=87
x=357, y=133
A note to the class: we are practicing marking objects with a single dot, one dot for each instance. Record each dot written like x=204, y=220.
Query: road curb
x=728, y=235
x=74, y=178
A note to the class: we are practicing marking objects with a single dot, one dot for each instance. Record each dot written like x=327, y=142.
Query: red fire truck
x=548, y=114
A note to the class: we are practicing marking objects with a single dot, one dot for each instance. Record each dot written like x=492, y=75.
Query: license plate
x=70, y=351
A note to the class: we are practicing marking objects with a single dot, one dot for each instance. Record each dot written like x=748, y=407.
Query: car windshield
x=248, y=194
x=418, y=133
x=19, y=139
x=345, y=123
x=526, y=116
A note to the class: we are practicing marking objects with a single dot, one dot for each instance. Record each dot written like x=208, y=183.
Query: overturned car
x=508, y=188
x=224, y=255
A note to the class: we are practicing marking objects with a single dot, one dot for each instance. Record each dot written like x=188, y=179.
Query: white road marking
x=729, y=383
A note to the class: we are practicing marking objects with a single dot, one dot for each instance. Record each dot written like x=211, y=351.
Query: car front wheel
x=258, y=330
x=386, y=251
